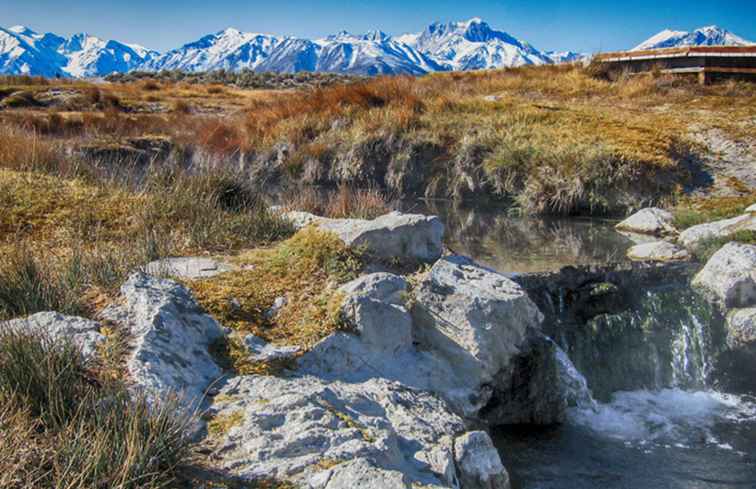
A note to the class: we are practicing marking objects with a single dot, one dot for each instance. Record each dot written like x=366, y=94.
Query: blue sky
x=588, y=26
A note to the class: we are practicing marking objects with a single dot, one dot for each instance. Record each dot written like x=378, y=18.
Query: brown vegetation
x=553, y=139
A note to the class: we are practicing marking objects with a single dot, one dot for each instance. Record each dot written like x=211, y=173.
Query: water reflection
x=495, y=238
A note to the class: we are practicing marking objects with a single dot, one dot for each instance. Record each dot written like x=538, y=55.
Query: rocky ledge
x=400, y=398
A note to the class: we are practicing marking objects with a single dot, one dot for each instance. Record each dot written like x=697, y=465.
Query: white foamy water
x=668, y=417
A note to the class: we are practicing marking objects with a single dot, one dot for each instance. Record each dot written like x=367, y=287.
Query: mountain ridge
x=711, y=35
x=442, y=46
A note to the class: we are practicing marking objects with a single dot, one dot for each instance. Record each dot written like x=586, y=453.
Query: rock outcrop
x=392, y=236
x=171, y=337
x=651, y=220
x=331, y=434
x=84, y=333
x=662, y=251
x=730, y=276
x=469, y=333
x=485, y=325
x=695, y=235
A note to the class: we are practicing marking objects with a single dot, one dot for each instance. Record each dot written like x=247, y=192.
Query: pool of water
x=494, y=237
x=665, y=439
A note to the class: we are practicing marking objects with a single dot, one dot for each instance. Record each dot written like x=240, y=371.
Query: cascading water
x=640, y=342
x=658, y=421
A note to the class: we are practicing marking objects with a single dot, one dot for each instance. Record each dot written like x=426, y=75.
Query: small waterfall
x=574, y=385
x=691, y=362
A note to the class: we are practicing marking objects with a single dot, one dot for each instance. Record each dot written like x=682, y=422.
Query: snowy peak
x=472, y=45
x=705, y=36
x=24, y=51
x=229, y=49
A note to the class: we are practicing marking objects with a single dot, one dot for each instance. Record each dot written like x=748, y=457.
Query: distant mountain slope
x=369, y=54
x=229, y=49
x=469, y=45
x=452, y=46
x=24, y=51
x=705, y=36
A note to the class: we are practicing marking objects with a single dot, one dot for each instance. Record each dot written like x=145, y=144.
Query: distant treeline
x=241, y=79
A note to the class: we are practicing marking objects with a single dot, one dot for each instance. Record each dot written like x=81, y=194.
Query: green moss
x=220, y=425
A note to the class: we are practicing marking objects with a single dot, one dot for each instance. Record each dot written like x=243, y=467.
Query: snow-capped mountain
x=24, y=51
x=473, y=45
x=229, y=49
x=468, y=45
x=558, y=57
x=705, y=36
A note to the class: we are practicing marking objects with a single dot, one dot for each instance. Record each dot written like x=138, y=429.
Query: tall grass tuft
x=62, y=428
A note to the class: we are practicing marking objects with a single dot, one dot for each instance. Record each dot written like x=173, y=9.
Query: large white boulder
x=651, y=220
x=394, y=235
x=468, y=327
x=730, y=275
x=381, y=344
x=483, y=324
x=171, y=337
x=84, y=333
x=661, y=251
x=376, y=433
x=694, y=235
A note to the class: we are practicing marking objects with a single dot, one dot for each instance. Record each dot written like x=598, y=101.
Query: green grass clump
x=61, y=426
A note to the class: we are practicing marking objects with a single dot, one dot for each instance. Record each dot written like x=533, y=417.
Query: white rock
x=84, y=333
x=261, y=351
x=373, y=308
x=187, y=267
x=717, y=229
x=730, y=275
x=394, y=235
x=751, y=209
x=381, y=286
x=741, y=329
x=476, y=319
x=171, y=336
x=382, y=344
x=285, y=426
x=278, y=304
x=651, y=220
x=478, y=462
x=658, y=251
x=469, y=323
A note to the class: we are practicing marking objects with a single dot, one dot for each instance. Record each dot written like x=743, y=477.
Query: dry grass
x=554, y=139
x=61, y=426
x=306, y=270
x=345, y=202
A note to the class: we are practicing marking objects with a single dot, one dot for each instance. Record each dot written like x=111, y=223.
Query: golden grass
x=306, y=270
